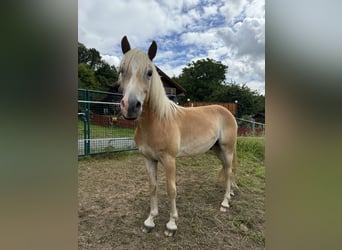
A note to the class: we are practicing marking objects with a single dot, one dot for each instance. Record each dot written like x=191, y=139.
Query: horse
x=166, y=130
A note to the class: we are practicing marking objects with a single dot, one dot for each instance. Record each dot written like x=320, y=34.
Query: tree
x=201, y=78
x=93, y=72
x=249, y=101
x=94, y=59
x=86, y=77
x=90, y=57
x=82, y=54
x=106, y=75
x=204, y=80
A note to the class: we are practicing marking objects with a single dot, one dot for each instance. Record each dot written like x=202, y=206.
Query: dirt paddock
x=114, y=202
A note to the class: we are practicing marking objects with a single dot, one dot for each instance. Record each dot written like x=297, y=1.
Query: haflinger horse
x=165, y=130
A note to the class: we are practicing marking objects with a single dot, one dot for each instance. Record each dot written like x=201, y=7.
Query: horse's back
x=212, y=113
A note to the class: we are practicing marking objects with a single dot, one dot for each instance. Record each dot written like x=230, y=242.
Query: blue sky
x=230, y=31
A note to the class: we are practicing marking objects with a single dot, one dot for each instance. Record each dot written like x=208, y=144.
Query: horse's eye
x=149, y=73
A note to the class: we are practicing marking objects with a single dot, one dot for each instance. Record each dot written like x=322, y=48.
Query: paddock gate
x=100, y=129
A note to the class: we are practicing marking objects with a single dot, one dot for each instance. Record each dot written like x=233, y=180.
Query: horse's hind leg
x=226, y=158
x=152, y=172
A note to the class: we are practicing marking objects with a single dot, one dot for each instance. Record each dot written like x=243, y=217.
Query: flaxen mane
x=156, y=97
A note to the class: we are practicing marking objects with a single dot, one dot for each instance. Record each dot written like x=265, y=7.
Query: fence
x=250, y=127
x=232, y=107
x=100, y=130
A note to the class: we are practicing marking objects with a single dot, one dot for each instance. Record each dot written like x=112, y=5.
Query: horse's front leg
x=152, y=172
x=170, y=169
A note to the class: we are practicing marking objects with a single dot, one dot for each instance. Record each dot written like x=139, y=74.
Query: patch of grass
x=251, y=148
x=97, y=131
x=114, y=202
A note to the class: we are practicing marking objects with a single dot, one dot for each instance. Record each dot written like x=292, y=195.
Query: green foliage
x=207, y=74
x=106, y=75
x=204, y=81
x=93, y=72
x=249, y=101
x=86, y=77
x=90, y=57
x=82, y=54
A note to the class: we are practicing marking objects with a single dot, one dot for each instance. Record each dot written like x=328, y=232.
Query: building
x=172, y=89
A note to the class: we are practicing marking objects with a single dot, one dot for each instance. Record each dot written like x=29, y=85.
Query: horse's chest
x=152, y=144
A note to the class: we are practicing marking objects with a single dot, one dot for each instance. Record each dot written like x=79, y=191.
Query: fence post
x=253, y=127
x=87, y=130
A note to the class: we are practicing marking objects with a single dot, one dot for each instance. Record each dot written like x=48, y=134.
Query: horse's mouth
x=130, y=118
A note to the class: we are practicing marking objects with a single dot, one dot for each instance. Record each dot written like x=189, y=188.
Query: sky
x=229, y=31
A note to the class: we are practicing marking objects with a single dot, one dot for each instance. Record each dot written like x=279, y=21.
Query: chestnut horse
x=165, y=130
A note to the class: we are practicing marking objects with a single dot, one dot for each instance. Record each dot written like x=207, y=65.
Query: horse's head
x=136, y=73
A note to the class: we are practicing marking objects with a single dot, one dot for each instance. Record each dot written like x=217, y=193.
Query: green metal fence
x=100, y=129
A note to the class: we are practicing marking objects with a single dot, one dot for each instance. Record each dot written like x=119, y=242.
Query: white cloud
x=171, y=70
x=209, y=10
x=199, y=38
x=189, y=3
x=256, y=9
x=111, y=60
x=232, y=32
x=247, y=37
x=233, y=9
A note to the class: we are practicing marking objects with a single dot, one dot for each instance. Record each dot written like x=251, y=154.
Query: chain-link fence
x=100, y=129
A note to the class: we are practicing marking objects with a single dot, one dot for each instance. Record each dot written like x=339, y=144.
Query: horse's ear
x=152, y=51
x=125, y=45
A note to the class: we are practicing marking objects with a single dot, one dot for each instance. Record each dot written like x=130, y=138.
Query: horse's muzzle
x=130, y=109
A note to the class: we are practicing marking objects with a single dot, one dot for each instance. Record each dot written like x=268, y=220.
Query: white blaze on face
x=133, y=91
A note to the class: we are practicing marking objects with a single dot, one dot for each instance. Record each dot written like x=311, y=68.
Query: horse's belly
x=195, y=147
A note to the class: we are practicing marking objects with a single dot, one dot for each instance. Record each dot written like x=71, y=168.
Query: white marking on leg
x=171, y=225
x=149, y=221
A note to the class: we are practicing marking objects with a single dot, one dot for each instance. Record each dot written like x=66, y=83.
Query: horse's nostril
x=138, y=105
x=122, y=103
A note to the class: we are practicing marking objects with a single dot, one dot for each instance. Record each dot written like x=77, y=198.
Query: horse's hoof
x=169, y=233
x=224, y=209
x=146, y=229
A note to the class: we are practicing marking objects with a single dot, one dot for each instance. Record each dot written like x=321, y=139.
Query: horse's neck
x=157, y=105
x=147, y=112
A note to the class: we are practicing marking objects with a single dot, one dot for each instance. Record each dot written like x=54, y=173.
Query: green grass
x=251, y=154
x=97, y=131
